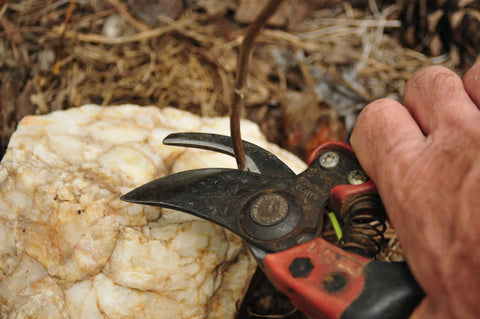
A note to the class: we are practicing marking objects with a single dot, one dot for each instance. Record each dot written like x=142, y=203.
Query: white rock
x=69, y=248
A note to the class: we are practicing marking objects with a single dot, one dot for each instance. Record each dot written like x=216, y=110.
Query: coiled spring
x=363, y=224
x=363, y=233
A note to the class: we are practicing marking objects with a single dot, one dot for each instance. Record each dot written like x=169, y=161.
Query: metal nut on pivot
x=329, y=160
x=269, y=209
x=357, y=177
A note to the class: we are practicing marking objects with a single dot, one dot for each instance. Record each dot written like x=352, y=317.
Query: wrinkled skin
x=424, y=157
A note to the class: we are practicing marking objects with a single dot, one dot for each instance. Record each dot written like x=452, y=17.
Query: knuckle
x=378, y=107
x=433, y=73
x=376, y=110
x=431, y=79
x=471, y=81
x=445, y=79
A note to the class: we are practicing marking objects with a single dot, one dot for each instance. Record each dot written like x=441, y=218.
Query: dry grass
x=189, y=62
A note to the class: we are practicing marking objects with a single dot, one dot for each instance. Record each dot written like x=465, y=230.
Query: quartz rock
x=69, y=248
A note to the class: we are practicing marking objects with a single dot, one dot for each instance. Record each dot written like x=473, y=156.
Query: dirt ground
x=314, y=67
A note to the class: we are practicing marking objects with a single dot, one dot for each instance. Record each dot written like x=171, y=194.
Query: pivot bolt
x=357, y=177
x=329, y=160
x=269, y=209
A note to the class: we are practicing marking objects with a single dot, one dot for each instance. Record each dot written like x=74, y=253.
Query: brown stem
x=238, y=96
x=59, y=48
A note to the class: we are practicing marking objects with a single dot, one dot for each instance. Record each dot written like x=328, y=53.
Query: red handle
x=324, y=281
x=321, y=279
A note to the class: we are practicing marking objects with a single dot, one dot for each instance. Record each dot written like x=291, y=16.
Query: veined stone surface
x=69, y=248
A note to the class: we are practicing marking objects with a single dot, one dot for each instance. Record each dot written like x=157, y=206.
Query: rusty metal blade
x=259, y=160
x=214, y=194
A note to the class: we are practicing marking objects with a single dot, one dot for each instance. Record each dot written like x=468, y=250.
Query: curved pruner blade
x=214, y=194
x=259, y=160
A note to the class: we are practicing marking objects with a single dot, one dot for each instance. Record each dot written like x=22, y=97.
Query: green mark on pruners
x=336, y=225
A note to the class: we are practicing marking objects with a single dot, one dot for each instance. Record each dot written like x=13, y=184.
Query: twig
x=123, y=10
x=59, y=49
x=144, y=35
x=238, y=96
x=4, y=8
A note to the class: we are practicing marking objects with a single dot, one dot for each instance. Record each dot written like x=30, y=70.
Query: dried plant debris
x=111, y=54
x=149, y=10
x=264, y=301
x=290, y=14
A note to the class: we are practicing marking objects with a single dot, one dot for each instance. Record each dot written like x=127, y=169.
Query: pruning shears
x=281, y=216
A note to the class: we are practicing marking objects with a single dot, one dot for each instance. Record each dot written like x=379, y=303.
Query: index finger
x=385, y=133
x=471, y=81
x=437, y=98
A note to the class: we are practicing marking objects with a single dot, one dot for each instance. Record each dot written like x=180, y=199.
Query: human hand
x=424, y=157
